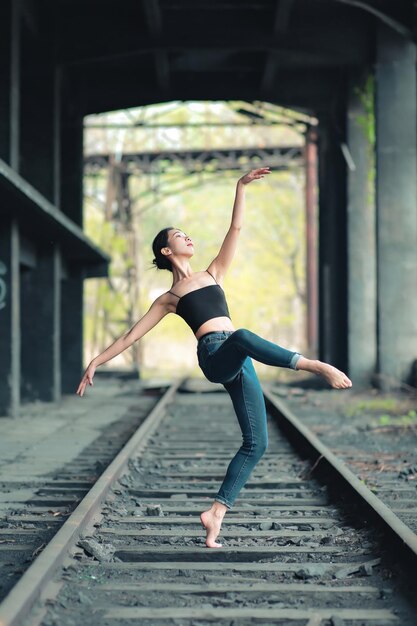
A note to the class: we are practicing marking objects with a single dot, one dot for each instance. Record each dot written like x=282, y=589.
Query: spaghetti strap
x=174, y=294
x=212, y=277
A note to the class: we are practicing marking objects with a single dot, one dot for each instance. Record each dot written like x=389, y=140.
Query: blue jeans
x=224, y=357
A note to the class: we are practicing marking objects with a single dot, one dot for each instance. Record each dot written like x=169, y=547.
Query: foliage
x=366, y=121
x=394, y=411
x=409, y=419
x=371, y=405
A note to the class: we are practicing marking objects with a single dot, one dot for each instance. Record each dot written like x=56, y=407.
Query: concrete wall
x=361, y=229
x=396, y=196
x=41, y=274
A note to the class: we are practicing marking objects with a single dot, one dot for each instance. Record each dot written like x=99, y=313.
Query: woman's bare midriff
x=214, y=325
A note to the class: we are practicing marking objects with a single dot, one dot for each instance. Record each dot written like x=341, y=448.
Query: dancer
x=224, y=354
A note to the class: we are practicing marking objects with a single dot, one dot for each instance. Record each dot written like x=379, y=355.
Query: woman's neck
x=181, y=272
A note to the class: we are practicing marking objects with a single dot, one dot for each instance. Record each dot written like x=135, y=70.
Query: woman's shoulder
x=166, y=301
x=214, y=272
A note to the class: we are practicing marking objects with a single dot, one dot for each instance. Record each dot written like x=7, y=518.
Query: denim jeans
x=225, y=357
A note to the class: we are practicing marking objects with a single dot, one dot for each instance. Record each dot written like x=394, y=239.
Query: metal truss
x=195, y=161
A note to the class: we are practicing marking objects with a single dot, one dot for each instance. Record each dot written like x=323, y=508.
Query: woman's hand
x=87, y=378
x=254, y=175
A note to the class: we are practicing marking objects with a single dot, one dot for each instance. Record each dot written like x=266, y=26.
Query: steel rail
x=329, y=466
x=27, y=590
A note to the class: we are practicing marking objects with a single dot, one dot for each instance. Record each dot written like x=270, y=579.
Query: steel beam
x=23, y=201
x=195, y=160
x=387, y=19
x=154, y=20
x=332, y=246
x=282, y=15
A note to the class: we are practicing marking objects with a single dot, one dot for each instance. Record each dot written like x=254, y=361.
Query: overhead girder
x=281, y=21
x=301, y=90
x=289, y=54
x=386, y=13
x=153, y=15
x=349, y=44
x=196, y=160
x=155, y=50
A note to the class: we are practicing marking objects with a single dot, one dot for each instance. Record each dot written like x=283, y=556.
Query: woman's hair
x=161, y=241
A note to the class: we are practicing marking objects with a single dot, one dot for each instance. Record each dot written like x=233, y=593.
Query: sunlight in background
x=127, y=203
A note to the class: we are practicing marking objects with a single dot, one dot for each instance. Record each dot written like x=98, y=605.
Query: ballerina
x=224, y=354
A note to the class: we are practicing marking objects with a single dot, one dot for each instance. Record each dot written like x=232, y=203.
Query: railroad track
x=387, y=509
x=133, y=550
x=43, y=503
x=381, y=455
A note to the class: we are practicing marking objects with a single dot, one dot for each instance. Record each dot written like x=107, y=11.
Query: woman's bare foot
x=212, y=521
x=335, y=378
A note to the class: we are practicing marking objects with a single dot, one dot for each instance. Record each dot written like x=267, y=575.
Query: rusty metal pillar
x=311, y=240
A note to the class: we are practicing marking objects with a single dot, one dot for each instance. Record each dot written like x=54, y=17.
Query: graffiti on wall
x=3, y=285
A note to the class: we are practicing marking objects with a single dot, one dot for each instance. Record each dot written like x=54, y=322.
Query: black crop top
x=201, y=305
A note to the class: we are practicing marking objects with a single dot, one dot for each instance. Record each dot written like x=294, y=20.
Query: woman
x=224, y=354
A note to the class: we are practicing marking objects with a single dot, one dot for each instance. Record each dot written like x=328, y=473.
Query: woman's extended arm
x=156, y=312
x=221, y=263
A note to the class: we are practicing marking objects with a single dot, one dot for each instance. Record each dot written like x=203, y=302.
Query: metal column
x=362, y=319
x=9, y=319
x=311, y=241
x=332, y=244
x=41, y=321
x=396, y=196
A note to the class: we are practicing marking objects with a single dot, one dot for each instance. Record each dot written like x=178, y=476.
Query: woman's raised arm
x=221, y=263
x=156, y=312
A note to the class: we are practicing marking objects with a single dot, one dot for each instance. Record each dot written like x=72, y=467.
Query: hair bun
x=161, y=241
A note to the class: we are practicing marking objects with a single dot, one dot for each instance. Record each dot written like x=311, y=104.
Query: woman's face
x=179, y=242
